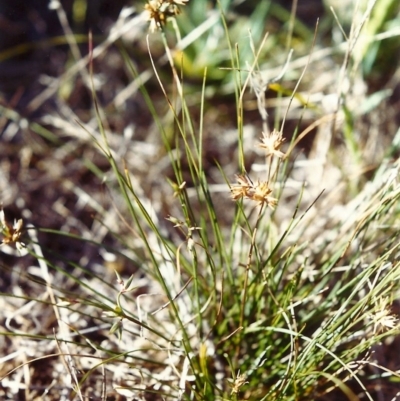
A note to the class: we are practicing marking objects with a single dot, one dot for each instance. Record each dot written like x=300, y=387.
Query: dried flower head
x=272, y=143
x=157, y=11
x=259, y=192
x=239, y=382
x=383, y=318
x=11, y=234
x=242, y=188
x=262, y=194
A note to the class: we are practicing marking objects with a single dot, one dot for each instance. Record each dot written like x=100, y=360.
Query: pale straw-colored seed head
x=272, y=143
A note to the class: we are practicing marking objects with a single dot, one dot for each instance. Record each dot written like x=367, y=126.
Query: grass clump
x=197, y=255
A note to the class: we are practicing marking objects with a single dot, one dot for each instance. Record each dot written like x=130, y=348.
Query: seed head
x=11, y=234
x=262, y=195
x=259, y=192
x=243, y=187
x=239, y=382
x=383, y=318
x=157, y=11
x=272, y=143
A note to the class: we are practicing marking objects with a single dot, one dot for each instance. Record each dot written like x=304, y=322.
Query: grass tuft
x=209, y=212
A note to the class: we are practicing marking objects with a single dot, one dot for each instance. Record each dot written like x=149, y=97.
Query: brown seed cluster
x=158, y=11
x=272, y=143
x=261, y=191
x=11, y=234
